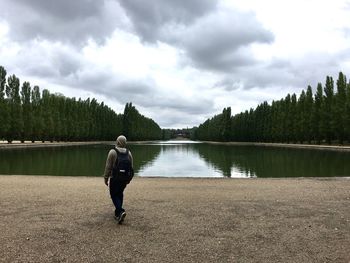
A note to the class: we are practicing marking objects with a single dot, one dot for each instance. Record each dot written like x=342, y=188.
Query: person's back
x=117, y=175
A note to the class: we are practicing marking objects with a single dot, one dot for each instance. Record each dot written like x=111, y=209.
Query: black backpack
x=122, y=170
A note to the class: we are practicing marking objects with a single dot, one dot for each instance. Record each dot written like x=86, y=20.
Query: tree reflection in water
x=179, y=160
x=67, y=161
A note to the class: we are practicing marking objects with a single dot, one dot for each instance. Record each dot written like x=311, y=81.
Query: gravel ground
x=70, y=219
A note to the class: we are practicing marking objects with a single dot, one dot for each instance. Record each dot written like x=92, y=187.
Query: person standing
x=118, y=173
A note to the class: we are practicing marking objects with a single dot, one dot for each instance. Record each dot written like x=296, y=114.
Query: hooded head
x=121, y=141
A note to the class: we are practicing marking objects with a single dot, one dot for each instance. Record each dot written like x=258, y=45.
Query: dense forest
x=28, y=114
x=323, y=117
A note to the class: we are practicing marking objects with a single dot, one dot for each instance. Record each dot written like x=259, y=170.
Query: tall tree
x=328, y=109
x=347, y=115
x=301, y=127
x=4, y=112
x=27, y=112
x=48, y=129
x=288, y=119
x=38, y=122
x=294, y=117
x=309, y=108
x=226, y=124
x=317, y=119
x=323, y=116
x=15, y=109
x=340, y=108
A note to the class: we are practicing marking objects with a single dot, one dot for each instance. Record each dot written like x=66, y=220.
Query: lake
x=179, y=159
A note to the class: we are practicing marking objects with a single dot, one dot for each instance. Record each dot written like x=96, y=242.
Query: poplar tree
x=328, y=109
x=317, y=119
x=226, y=124
x=15, y=109
x=301, y=113
x=4, y=112
x=308, y=112
x=288, y=119
x=347, y=118
x=38, y=122
x=340, y=108
x=294, y=118
x=311, y=118
x=27, y=112
x=48, y=129
x=274, y=121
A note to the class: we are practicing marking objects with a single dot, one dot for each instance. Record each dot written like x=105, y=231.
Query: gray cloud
x=290, y=75
x=148, y=19
x=221, y=40
x=190, y=106
x=211, y=38
x=64, y=66
x=70, y=21
x=228, y=84
x=104, y=82
x=52, y=61
x=143, y=92
x=51, y=35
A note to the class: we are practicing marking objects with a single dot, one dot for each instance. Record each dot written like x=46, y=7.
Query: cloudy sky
x=181, y=61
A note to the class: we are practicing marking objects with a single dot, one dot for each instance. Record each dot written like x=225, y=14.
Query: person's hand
x=106, y=181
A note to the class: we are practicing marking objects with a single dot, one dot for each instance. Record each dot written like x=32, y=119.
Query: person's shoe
x=121, y=217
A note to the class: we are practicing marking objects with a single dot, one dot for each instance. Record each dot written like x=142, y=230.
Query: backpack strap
x=116, y=159
x=126, y=152
x=116, y=150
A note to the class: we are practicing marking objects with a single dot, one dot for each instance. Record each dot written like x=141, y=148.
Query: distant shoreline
x=39, y=144
x=285, y=145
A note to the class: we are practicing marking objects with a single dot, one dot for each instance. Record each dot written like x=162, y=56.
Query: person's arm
x=109, y=165
x=131, y=160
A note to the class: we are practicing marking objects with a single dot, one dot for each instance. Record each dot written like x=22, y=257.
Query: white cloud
x=178, y=66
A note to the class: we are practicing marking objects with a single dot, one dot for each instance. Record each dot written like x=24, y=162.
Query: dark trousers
x=116, y=189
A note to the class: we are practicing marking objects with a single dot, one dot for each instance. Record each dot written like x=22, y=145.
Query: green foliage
x=31, y=115
x=15, y=108
x=217, y=128
x=317, y=117
x=4, y=111
x=38, y=122
x=138, y=127
x=347, y=112
x=340, y=108
x=308, y=113
x=310, y=118
x=27, y=111
x=328, y=109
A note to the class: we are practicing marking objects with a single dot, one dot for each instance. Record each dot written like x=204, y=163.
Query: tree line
x=138, y=127
x=28, y=114
x=320, y=117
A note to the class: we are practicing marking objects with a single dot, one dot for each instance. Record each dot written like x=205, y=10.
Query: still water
x=180, y=159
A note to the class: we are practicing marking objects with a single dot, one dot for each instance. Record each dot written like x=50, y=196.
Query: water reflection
x=179, y=159
x=67, y=161
x=253, y=161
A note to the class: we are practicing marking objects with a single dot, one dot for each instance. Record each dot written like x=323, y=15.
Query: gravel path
x=69, y=219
